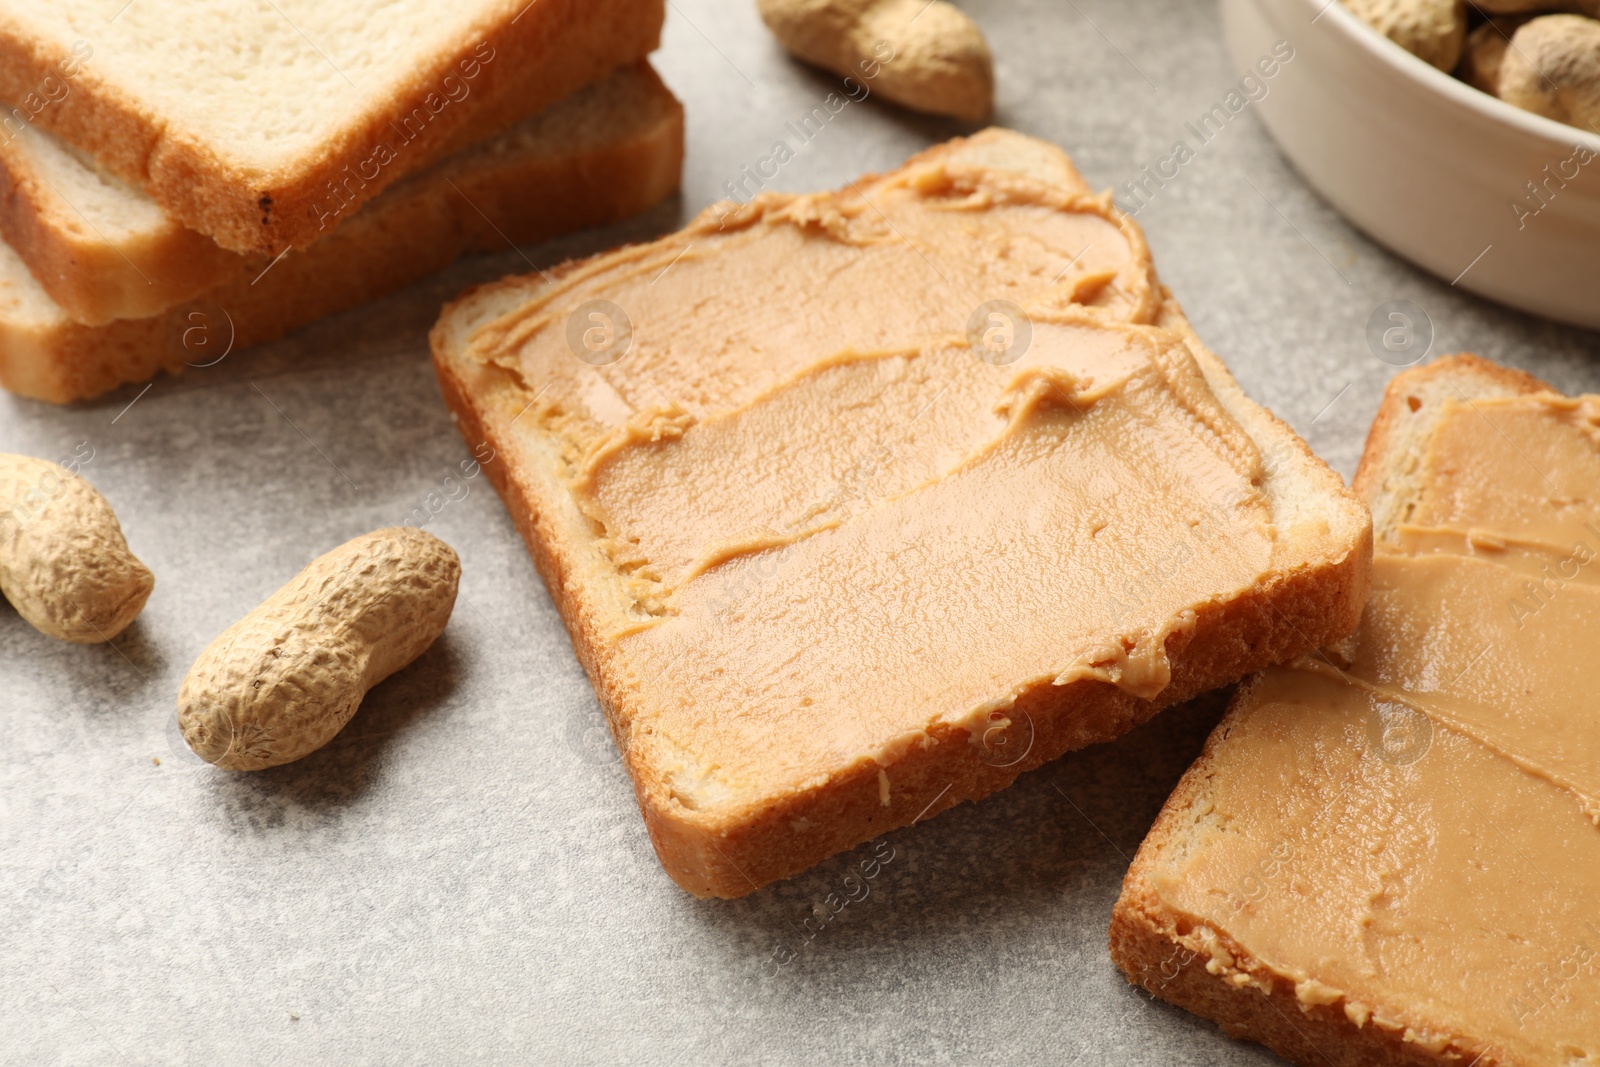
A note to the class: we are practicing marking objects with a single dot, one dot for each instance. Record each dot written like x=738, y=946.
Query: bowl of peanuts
x=1464, y=136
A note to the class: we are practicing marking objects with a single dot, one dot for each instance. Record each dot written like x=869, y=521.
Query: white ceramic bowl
x=1427, y=165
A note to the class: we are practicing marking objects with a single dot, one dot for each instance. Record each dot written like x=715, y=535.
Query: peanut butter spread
x=839, y=515
x=1412, y=836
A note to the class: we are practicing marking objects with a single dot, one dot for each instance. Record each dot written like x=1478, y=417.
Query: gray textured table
x=462, y=875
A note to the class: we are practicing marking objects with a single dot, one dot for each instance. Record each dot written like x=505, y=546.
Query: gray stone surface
x=462, y=875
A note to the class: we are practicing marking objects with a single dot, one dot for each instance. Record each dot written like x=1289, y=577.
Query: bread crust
x=415, y=230
x=731, y=853
x=1159, y=952
x=732, y=857
x=544, y=52
x=94, y=280
x=1396, y=434
x=1158, y=949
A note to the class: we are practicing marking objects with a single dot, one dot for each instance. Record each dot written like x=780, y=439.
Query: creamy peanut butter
x=839, y=522
x=1412, y=835
x=748, y=297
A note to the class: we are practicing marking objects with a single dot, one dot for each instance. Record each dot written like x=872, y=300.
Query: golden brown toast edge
x=533, y=63
x=354, y=267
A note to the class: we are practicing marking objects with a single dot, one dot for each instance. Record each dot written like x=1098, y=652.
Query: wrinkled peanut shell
x=1432, y=30
x=281, y=682
x=924, y=55
x=1552, y=68
x=64, y=563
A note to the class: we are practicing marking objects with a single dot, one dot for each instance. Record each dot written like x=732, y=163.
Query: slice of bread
x=735, y=792
x=1387, y=478
x=610, y=151
x=1195, y=961
x=263, y=126
x=100, y=247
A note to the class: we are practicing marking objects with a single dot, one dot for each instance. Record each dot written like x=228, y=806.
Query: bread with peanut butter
x=859, y=504
x=1388, y=853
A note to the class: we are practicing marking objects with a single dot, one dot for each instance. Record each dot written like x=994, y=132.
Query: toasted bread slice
x=1391, y=465
x=610, y=151
x=265, y=126
x=749, y=520
x=1304, y=772
x=98, y=246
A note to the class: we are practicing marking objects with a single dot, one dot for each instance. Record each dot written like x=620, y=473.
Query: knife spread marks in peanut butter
x=896, y=263
x=842, y=526
x=1449, y=872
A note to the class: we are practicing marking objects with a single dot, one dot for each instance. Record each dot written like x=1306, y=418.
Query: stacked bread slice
x=159, y=214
